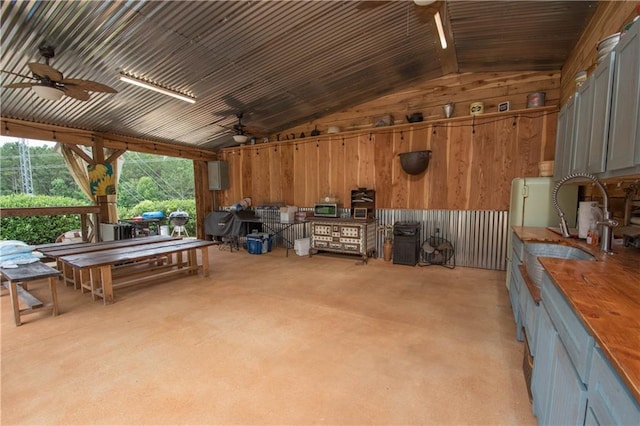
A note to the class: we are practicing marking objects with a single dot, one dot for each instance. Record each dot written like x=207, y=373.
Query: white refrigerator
x=532, y=205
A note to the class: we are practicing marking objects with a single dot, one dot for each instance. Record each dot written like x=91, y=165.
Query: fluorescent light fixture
x=47, y=92
x=156, y=88
x=443, y=39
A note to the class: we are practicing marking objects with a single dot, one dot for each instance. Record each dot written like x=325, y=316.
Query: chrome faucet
x=606, y=236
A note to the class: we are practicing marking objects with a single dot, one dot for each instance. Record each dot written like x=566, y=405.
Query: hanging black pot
x=415, y=162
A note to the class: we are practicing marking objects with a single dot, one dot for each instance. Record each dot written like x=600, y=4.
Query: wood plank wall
x=429, y=97
x=473, y=162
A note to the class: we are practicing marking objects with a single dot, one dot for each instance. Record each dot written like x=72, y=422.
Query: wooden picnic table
x=136, y=264
x=18, y=277
x=58, y=250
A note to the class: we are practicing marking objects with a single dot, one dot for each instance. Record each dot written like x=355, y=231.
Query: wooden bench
x=136, y=265
x=23, y=274
x=56, y=251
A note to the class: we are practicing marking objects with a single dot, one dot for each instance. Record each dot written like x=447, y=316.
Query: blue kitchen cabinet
x=541, y=377
x=602, y=80
x=583, y=122
x=559, y=396
x=573, y=334
x=564, y=138
x=624, y=137
x=562, y=360
x=530, y=318
x=515, y=287
x=608, y=399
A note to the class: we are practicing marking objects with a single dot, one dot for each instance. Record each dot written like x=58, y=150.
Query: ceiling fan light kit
x=423, y=2
x=156, y=88
x=48, y=92
x=240, y=138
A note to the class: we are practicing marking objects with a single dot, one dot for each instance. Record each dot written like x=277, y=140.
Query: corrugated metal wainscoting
x=478, y=237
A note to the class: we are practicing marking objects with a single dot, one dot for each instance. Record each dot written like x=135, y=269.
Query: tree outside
x=147, y=182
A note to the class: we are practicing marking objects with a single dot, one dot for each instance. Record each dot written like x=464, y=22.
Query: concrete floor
x=273, y=340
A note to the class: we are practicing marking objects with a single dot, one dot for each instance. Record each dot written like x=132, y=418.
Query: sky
x=30, y=142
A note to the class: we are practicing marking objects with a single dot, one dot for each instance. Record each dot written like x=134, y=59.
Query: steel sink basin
x=534, y=250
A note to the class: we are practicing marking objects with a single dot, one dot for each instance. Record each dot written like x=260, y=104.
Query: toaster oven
x=326, y=210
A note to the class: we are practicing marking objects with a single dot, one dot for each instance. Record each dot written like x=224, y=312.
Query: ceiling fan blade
x=76, y=93
x=19, y=75
x=88, y=85
x=45, y=71
x=18, y=85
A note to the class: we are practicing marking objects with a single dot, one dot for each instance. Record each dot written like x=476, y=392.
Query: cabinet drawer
x=517, y=247
x=530, y=320
x=609, y=400
x=573, y=335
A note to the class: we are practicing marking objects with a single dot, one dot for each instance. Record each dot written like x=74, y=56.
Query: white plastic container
x=288, y=214
x=302, y=246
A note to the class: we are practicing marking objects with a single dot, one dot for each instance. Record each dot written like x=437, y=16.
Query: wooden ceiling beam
x=11, y=127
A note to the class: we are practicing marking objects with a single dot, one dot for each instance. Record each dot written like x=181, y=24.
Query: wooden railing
x=89, y=227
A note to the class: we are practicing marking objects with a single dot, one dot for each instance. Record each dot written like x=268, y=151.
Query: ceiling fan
x=239, y=137
x=49, y=83
x=424, y=9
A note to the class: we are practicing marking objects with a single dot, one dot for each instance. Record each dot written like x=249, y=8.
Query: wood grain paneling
x=472, y=163
x=430, y=96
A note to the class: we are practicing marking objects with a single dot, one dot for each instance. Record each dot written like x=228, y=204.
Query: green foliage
x=147, y=188
x=37, y=229
x=47, y=166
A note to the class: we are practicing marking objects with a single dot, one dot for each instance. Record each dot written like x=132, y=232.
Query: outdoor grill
x=179, y=218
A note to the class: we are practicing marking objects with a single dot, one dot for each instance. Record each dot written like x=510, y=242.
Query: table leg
x=204, y=254
x=94, y=281
x=192, y=261
x=54, y=294
x=107, y=284
x=13, y=292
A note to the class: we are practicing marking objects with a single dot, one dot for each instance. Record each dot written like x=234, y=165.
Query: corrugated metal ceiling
x=281, y=63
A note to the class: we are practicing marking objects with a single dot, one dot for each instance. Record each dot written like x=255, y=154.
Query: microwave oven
x=326, y=210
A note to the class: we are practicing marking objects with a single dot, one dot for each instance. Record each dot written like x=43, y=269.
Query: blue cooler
x=254, y=243
x=259, y=243
x=267, y=241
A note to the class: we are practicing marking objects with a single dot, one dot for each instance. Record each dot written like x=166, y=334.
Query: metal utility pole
x=25, y=168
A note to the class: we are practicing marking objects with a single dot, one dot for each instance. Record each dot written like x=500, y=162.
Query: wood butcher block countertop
x=606, y=296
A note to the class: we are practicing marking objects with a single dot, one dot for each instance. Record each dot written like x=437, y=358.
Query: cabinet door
x=583, y=120
x=568, y=397
x=599, y=138
x=609, y=400
x=564, y=138
x=542, y=364
x=625, y=101
x=559, y=396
